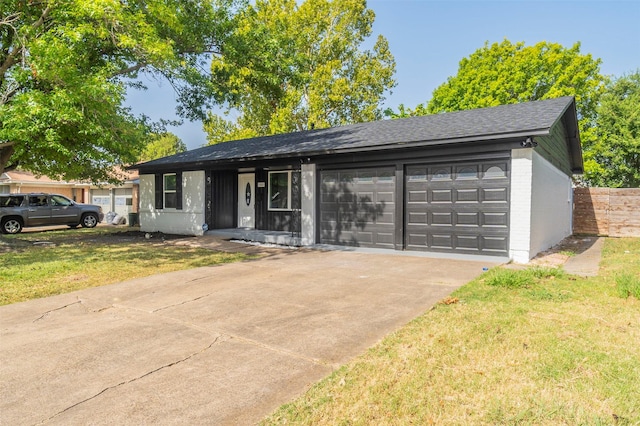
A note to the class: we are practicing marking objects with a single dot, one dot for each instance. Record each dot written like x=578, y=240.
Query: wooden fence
x=606, y=211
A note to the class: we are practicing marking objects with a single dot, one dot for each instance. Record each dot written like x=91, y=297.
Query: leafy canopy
x=507, y=73
x=614, y=159
x=162, y=145
x=65, y=66
x=291, y=66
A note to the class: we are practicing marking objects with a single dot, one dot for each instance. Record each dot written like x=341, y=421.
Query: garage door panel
x=466, y=208
x=441, y=241
x=467, y=195
x=495, y=219
x=441, y=196
x=494, y=194
x=468, y=219
x=495, y=244
x=442, y=218
x=467, y=242
x=385, y=197
x=416, y=218
x=417, y=196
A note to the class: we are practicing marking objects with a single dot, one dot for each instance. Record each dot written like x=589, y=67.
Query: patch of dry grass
x=75, y=259
x=556, y=350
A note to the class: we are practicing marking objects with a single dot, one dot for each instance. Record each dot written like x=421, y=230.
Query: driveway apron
x=213, y=345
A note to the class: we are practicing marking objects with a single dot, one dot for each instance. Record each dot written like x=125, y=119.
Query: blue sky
x=428, y=38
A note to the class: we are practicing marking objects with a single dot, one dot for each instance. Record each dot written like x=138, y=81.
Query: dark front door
x=223, y=202
x=460, y=207
x=357, y=207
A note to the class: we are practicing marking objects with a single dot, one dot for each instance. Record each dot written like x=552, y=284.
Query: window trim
x=166, y=191
x=288, y=208
x=160, y=202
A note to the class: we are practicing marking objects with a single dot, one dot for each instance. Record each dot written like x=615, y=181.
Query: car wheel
x=11, y=226
x=89, y=220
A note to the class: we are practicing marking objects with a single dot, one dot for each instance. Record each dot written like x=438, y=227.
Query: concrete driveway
x=213, y=345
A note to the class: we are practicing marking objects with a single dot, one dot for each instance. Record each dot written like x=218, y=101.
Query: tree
x=507, y=73
x=405, y=112
x=614, y=159
x=65, y=66
x=162, y=145
x=292, y=66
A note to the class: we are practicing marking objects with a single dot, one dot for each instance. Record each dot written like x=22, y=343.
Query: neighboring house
x=17, y=181
x=121, y=199
x=493, y=181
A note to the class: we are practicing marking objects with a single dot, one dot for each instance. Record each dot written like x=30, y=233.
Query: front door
x=246, y=200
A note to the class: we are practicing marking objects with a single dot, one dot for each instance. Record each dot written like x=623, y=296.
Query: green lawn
x=533, y=347
x=34, y=265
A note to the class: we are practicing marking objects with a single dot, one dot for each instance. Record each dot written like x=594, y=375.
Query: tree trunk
x=5, y=155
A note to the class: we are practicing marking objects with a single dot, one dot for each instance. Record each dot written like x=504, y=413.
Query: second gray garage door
x=461, y=208
x=357, y=207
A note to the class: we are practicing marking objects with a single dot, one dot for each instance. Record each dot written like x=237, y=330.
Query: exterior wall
x=554, y=148
x=520, y=214
x=187, y=221
x=541, y=205
x=551, y=206
x=308, y=199
x=607, y=211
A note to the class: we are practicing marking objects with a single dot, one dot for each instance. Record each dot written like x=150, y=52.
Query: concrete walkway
x=587, y=262
x=213, y=345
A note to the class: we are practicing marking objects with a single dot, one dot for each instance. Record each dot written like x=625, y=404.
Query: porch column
x=520, y=209
x=308, y=213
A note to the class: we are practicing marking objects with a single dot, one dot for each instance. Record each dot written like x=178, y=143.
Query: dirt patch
x=559, y=254
x=53, y=237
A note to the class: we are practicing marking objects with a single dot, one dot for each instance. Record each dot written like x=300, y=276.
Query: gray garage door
x=357, y=207
x=460, y=208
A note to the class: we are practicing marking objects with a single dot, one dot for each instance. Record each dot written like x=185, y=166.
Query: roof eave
x=348, y=150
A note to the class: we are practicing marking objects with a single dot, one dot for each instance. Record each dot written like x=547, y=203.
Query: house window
x=169, y=190
x=279, y=190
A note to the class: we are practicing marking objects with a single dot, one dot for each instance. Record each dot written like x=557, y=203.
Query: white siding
x=551, y=205
x=541, y=205
x=187, y=221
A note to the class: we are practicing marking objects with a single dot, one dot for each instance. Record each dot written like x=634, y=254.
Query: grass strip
x=529, y=347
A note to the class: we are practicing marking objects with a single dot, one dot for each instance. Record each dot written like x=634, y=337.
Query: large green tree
x=162, y=145
x=293, y=66
x=64, y=70
x=506, y=73
x=614, y=158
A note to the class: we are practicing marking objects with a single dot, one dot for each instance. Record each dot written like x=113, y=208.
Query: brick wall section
x=610, y=212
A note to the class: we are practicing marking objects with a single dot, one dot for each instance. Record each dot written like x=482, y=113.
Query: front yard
x=34, y=265
x=534, y=346
x=529, y=347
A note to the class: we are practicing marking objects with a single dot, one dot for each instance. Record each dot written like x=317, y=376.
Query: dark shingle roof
x=505, y=121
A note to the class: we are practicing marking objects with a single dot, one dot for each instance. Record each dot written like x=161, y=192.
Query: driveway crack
x=184, y=302
x=57, y=309
x=126, y=382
